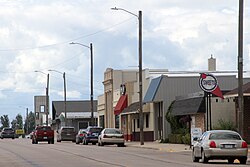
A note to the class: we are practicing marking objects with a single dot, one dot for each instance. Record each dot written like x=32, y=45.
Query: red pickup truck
x=43, y=133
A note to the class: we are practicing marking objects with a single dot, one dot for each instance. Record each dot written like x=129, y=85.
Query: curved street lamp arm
x=79, y=44
x=115, y=8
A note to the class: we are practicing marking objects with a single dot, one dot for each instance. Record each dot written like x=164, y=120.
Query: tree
x=18, y=122
x=5, y=121
x=30, y=121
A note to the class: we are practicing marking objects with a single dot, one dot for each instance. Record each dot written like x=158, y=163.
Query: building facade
x=78, y=114
x=40, y=110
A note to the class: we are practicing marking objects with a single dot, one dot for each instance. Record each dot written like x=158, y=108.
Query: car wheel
x=204, y=159
x=120, y=145
x=84, y=142
x=243, y=160
x=33, y=142
x=230, y=160
x=100, y=143
x=195, y=159
x=52, y=141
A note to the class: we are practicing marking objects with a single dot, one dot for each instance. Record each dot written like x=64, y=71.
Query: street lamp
x=139, y=16
x=91, y=80
x=47, y=96
x=65, y=105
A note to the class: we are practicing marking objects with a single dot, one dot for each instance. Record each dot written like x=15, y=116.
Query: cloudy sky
x=177, y=35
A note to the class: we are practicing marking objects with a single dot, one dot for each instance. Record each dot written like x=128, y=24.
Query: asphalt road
x=21, y=153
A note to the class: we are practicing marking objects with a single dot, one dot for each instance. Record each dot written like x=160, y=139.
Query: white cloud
x=177, y=35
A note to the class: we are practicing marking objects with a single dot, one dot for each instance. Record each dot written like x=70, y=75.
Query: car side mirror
x=57, y=131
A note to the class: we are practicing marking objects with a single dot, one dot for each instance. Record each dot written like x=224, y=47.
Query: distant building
x=40, y=109
x=78, y=113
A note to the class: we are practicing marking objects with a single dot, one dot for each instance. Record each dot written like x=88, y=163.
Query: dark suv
x=8, y=133
x=92, y=133
x=66, y=133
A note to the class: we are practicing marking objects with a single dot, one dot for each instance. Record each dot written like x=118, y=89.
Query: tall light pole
x=139, y=16
x=64, y=83
x=47, y=97
x=91, y=80
x=240, y=68
x=27, y=120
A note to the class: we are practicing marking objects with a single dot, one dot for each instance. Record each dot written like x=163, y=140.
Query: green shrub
x=186, y=139
x=175, y=138
x=179, y=138
x=224, y=125
x=164, y=140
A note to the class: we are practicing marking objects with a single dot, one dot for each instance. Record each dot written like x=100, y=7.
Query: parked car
x=92, y=133
x=66, y=133
x=81, y=133
x=220, y=144
x=7, y=133
x=110, y=136
x=43, y=133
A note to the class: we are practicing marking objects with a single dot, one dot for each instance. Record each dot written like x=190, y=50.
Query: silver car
x=220, y=144
x=111, y=136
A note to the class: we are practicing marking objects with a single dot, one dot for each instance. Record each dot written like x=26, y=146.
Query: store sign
x=123, y=89
x=209, y=84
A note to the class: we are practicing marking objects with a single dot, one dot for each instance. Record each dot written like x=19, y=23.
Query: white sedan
x=110, y=136
x=220, y=144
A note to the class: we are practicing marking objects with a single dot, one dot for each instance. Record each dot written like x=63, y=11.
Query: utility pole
x=91, y=83
x=140, y=79
x=141, y=122
x=91, y=78
x=240, y=70
x=47, y=100
x=65, y=105
x=27, y=121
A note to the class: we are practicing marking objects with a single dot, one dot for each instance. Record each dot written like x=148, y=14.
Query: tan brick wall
x=199, y=121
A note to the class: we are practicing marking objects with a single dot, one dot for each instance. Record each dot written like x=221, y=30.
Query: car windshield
x=68, y=130
x=224, y=136
x=95, y=130
x=43, y=128
x=8, y=129
x=112, y=131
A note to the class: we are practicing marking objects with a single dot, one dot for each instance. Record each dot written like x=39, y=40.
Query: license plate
x=45, y=138
x=228, y=146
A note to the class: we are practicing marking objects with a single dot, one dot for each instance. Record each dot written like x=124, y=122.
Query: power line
x=65, y=42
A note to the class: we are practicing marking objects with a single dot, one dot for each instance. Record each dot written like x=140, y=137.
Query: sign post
x=209, y=84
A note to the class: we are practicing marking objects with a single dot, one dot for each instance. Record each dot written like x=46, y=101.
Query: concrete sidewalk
x=168, y=147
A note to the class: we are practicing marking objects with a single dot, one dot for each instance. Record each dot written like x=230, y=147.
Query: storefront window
x=117, y=122
x=101, y=121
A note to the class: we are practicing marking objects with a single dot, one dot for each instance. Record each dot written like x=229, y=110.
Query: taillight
x=212, y=144
x=244, y=144
x=81, y=135
x=105, y=136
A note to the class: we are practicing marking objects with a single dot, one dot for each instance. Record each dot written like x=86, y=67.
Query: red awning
x=121, y=104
